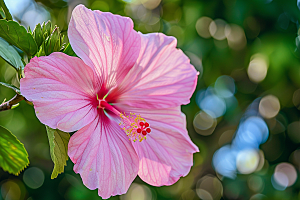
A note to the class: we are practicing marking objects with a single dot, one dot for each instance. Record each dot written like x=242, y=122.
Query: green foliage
x=54, y=42
x=10, y=55
x=13, y=155
x=58, y=141
x=17, y=90
x=5, y=11
x=69, y=51
x=16, y=35
x=2, y=15
x=48, y=39
x=38, y=35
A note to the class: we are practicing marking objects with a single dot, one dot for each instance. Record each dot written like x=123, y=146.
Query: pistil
x=135, y=127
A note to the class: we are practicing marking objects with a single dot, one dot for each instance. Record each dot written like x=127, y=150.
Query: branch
x=7, y=105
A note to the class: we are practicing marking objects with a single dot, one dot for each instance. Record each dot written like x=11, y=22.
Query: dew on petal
x=135, y=127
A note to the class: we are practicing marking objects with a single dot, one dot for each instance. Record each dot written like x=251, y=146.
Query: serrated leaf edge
x=28, y=162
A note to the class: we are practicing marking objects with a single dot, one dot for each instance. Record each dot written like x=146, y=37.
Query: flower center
x=135, y=127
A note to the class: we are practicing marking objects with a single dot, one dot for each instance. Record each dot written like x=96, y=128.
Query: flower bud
x=48, y=38
x=38, y=35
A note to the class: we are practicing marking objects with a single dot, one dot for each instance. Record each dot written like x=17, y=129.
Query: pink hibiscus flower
x=123, y=96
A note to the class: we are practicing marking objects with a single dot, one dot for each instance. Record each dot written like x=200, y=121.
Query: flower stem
x=9, y=104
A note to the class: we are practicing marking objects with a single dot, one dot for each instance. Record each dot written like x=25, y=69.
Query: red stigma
x=135, y=127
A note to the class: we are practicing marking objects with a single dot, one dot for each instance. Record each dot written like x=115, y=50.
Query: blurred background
x=243, y=116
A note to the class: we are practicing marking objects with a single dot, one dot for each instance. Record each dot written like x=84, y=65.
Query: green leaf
x=58, y=141
x=38, y=35
x=2, y=15
x=5, y=10
x=17, y=90
x=16, y=35
x=53, y=42
x=13, y=155
x=10, y=55
x=47, y=28
x=29, y=30
x=69, y=51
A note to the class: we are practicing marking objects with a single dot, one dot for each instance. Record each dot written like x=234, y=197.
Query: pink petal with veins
x=104, y=157
x=61, y=88
x=105, y=42
x=167, y=153
x=162, y=76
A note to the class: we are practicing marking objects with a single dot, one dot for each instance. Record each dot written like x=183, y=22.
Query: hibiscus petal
x=162, y=77
x=61, y=89
x=104, y=157
x=105, y=42
x=167, y=153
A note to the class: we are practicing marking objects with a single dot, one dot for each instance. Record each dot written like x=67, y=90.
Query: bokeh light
x=10, y=190
x=255, y=183
x=224, y=86
x=258, y=197
x=243, y=155
x=224, y=161
x=247, y=161
x=296, y=99
x=235, y=36
x=285, y=175
x=150, y=4
x=30, y=13
x=269, y=106
x=258, y=68
x=33, y=177
x=137, y=192
x=251, y=133
x=188, y=194
x=226, y=137
x=217, y=29
x=209, y=187
x=262, y=161
x=204, y=123
x=202, y=26
x=211, y=103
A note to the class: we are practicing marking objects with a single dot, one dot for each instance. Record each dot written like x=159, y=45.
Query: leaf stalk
x=9, y=104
